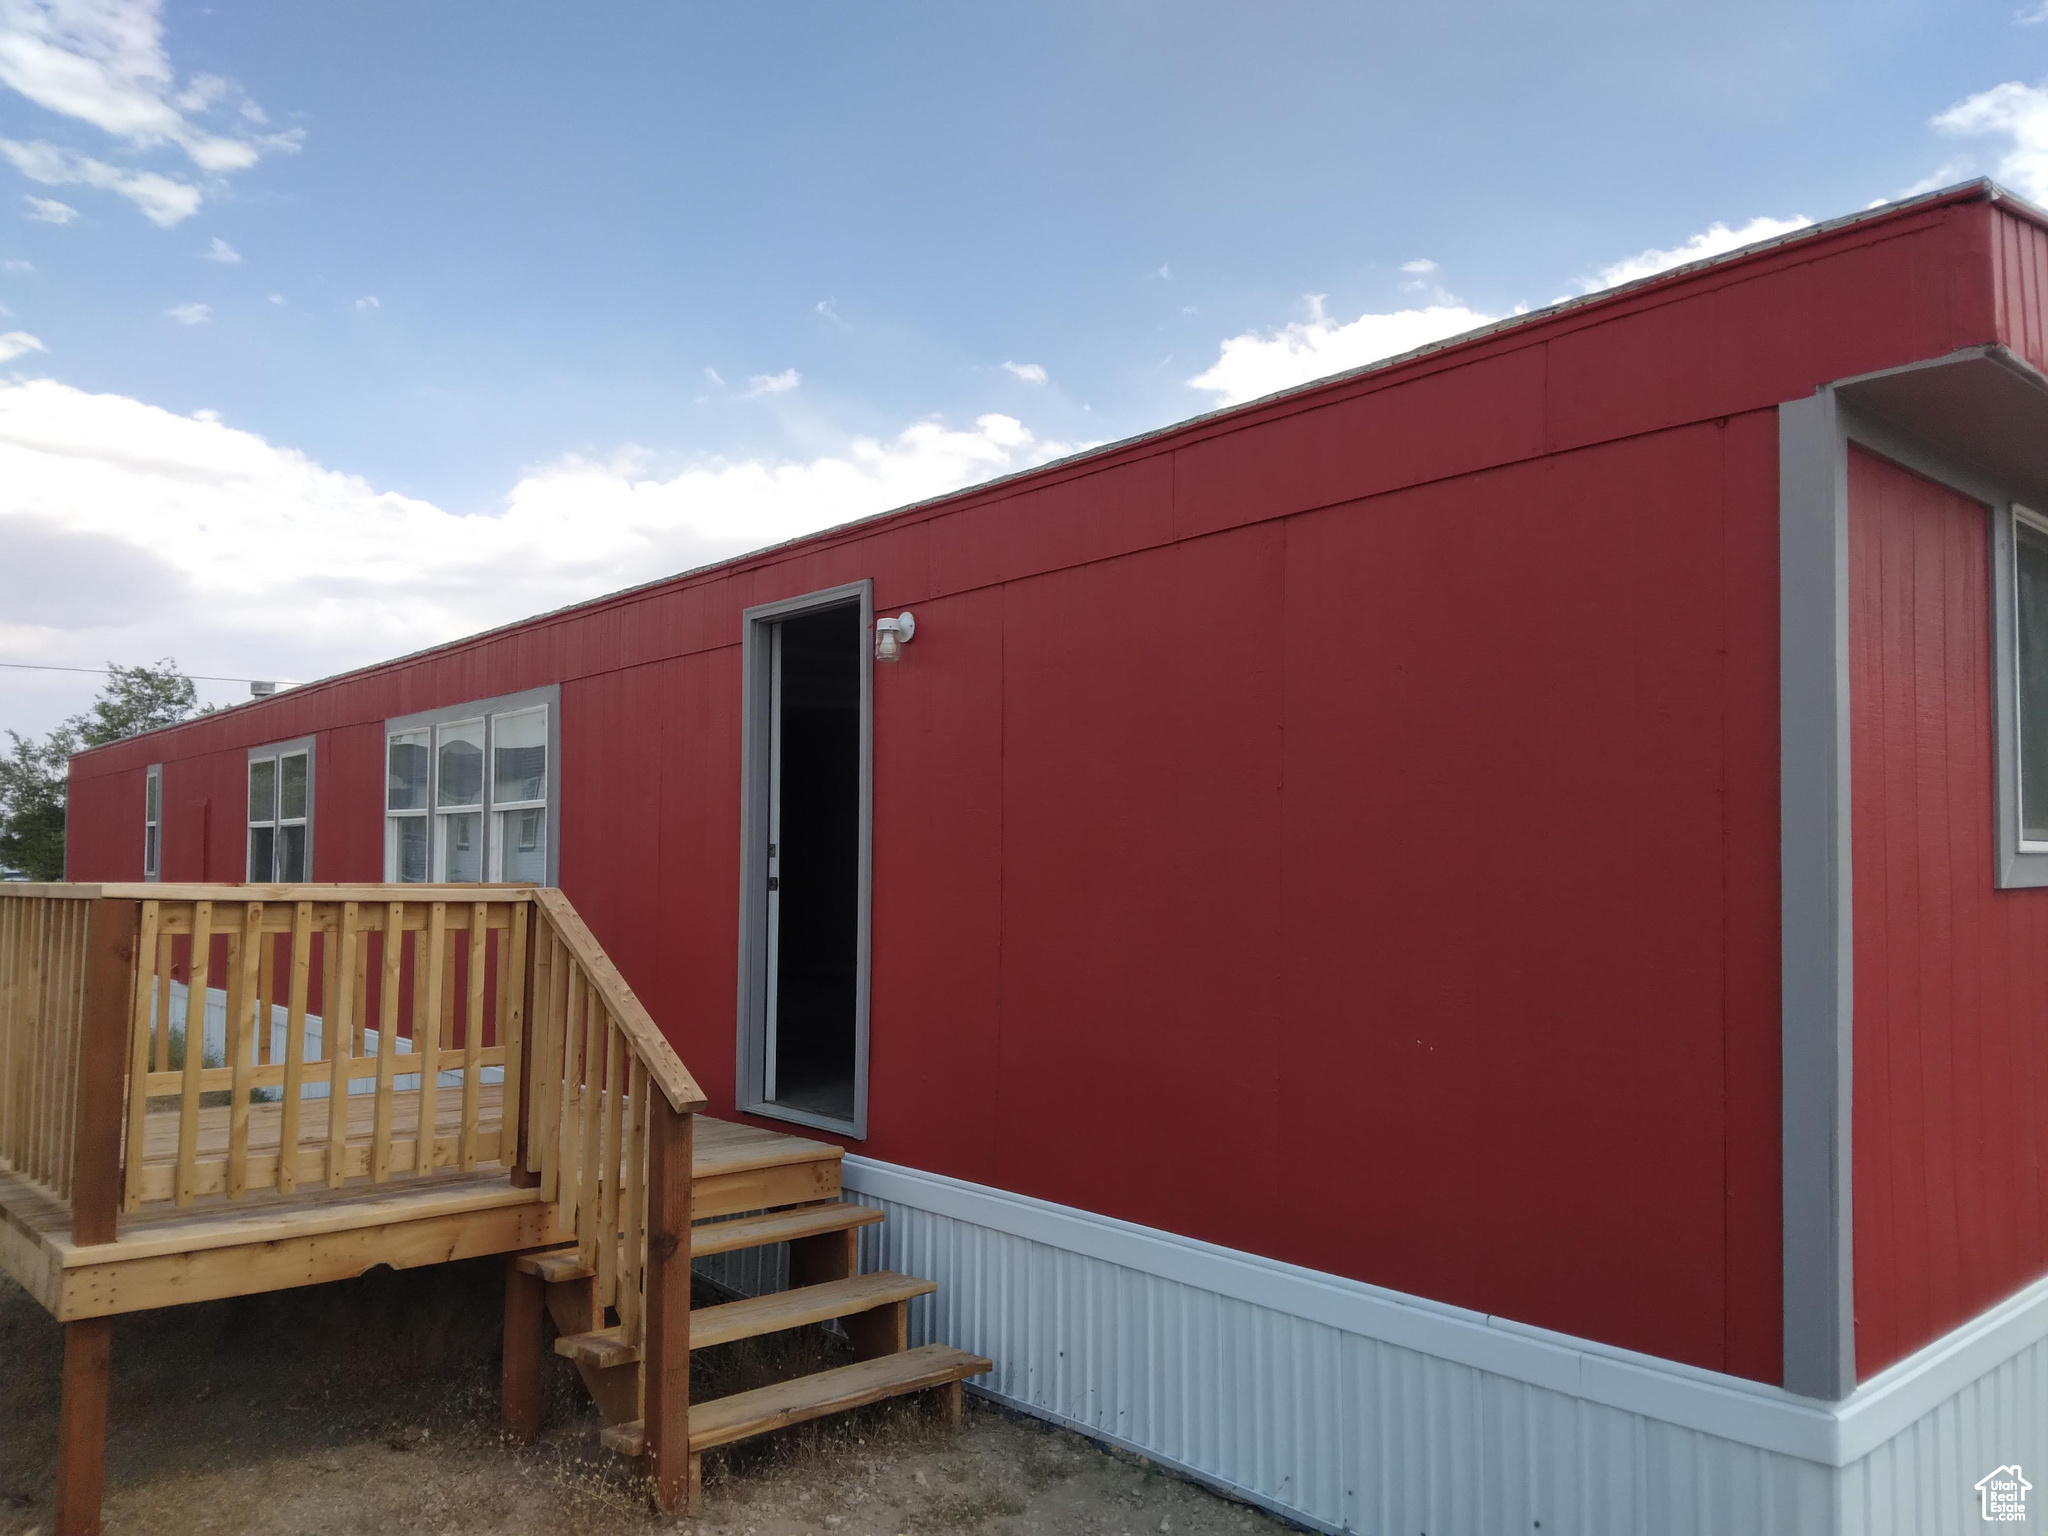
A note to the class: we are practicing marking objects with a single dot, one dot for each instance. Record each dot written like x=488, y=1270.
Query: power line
x=197, y=677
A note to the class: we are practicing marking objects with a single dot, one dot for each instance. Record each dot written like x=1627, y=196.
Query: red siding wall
x=1345, y=829
x=2020, y=262
x=1951, y=974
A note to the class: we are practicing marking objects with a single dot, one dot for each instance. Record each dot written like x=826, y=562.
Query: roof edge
x=1977, y=189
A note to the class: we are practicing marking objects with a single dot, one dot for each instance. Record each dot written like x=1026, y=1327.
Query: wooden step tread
x=746, y=1414
x=805, y=1304
x=602, y=1347
x=783, y=1226
x=779, y=1226
x=554, y=1267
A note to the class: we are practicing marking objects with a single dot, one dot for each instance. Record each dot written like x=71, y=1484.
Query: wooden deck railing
x=369, y=1033
x=605, y=1091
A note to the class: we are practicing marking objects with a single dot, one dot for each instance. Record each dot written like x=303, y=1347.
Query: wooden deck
x=164, y=1254
x=129, y=1183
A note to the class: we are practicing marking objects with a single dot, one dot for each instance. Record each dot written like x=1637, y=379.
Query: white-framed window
x=407, y=772
x=281, y=813
x=468, y=792
x=153, y=822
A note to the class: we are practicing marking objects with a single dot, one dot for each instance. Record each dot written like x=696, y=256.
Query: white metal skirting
x=1346, y=1407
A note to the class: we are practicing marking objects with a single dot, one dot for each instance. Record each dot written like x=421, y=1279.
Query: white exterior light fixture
x=891, y=635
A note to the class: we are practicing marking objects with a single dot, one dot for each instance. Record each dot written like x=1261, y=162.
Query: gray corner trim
x=751, y=1087
x=1815, y=989
x=549, y=694
x=310, y=745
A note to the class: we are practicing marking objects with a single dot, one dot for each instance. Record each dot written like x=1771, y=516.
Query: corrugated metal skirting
x=1347, y=1433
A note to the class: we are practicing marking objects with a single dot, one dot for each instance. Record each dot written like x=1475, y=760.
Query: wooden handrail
x=129, y=890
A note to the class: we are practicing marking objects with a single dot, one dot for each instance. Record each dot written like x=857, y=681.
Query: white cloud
x=1714, y=240
x=47, y=210
x=771, y=384
x=1253, y=364
x=1030, y=373
x=2020, y=114
x=163, y=199
x=103, y=62
x=190, y=314
x=14, y=343
x=1421, y=266
x=829, y=308
x=16, y=264
x=2032, y=15
x=221, y=252
x=168, y=506
x=277, y=298
x=367, y=303
x=711, y=373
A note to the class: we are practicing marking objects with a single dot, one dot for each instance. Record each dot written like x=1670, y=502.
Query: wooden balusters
x=149, y=981
x=243, y=1001
x=592, y=1127
x=439, y=978
x=632, y=1254
x=608, y=1166
x=195, y=1052
x=515, y=1000
x=295, y=1048
x=336, y=1027
x=387, y=1041
x=568, y=1160
x=473, y=1034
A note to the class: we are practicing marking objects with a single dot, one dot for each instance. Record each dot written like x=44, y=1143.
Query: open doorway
x=803, y=1023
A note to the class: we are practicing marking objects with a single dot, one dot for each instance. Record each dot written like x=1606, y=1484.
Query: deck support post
x=519, y=1380
x=665, y=1347
x=82, y=1425
x=102, y=1102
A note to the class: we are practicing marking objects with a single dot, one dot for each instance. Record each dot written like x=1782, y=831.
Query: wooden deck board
x=164, y=1253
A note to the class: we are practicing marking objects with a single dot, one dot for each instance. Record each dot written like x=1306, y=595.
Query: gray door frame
x=757, y=770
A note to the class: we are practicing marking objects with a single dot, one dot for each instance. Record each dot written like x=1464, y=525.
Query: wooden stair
x=793, y=1184
x=757, y=1315
x=781, y=1404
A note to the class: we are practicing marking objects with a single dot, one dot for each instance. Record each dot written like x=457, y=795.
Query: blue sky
x=335, y=330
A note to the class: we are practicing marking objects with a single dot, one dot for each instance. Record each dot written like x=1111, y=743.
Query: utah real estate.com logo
x=2002, y=1495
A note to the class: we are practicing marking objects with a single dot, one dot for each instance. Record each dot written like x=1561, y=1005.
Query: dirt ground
x=369, y=1408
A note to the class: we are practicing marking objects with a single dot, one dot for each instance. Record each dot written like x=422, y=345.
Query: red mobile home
x=1457, y=947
